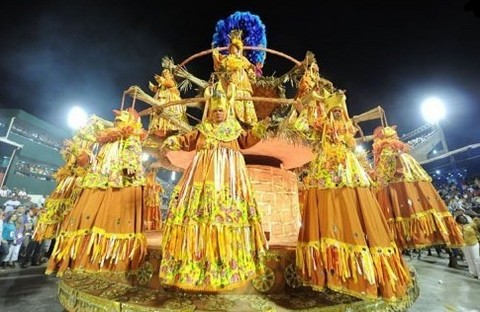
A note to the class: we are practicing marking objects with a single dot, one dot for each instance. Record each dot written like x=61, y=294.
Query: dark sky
x=56, y=54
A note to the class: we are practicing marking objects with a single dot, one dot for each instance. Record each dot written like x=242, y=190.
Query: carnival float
x=110, y=240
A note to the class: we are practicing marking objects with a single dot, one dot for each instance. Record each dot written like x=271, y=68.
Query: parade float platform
x=278, y=290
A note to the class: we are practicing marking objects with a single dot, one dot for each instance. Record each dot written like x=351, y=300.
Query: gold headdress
x=382, y=132
x=390, y=132
x=217, y=99
x=129, y=115
x=335, y=100
x=122, y=116
x=161, y=78
x=167, y=74
x=236, y=38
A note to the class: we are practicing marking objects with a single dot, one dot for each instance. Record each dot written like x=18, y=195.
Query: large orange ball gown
x=344, y=243
x=213, y=238
x=76, y=153
x=103, y=231
x=416, y=213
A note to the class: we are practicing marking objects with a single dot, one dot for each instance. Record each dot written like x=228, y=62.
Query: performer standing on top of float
x=213, y=239
x=103, y=231
x=236, y=71
x=344, y=243
x=236, y=74
x=309, y=100
x=166, y=91
x=416, y=213
x=77, y=154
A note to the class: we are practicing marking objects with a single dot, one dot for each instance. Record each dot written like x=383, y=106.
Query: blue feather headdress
x=253, y=34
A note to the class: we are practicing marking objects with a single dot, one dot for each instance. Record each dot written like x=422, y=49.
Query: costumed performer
x=309, y=101
x=344, y=243
x=153, y=190
x=103, y=231
x=166, y=91
x=237, y=73
x=213, y=239
x=77, y=154
x=417, y=215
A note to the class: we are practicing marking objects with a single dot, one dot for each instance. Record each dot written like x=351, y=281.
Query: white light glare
x=77, y=118
x=433, y=110
x=437, y=171
x=172, y=177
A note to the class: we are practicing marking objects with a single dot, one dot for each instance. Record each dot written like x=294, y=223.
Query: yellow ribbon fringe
x=427, y=222
x=101, y=246
x=377, y=265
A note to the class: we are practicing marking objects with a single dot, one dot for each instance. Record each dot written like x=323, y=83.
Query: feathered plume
x=253, y=34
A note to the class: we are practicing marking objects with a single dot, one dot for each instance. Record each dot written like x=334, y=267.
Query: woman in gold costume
x=103, y=231
x=309, y=92
x=415, y=211
x=213, y=238
x=152, y=193
x=237, y=74
x=166, y=91
x=344, y=243
x=76, y=153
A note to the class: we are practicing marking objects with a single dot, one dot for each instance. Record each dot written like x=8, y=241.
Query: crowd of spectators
x=18, y=218
x=36, y=135
x=462, y=196
x=39, y=171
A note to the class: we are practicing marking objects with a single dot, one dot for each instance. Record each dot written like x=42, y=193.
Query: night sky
x=57, y=54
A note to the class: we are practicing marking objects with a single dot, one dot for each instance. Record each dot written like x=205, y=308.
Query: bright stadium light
x=77, y=117
x=433, y=110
